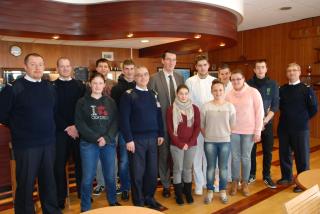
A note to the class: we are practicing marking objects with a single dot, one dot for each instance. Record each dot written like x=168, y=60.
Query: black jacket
x=121, y=87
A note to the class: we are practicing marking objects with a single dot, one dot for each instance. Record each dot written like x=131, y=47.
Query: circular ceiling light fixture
x=285, y=8
x=144, y=41
x=130, y=35
x=55, y=37
x=197, y=36
x=222, y=44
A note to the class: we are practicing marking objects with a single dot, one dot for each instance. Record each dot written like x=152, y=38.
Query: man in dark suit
x=165, y=84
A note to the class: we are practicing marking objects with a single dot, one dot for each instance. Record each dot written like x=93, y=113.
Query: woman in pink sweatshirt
x=247, y=130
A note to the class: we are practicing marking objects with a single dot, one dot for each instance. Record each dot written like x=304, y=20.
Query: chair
x=307, y=202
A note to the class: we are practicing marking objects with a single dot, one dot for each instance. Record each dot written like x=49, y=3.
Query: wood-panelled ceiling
x=147, y=18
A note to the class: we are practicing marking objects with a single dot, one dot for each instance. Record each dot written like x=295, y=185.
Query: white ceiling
x=257, y=13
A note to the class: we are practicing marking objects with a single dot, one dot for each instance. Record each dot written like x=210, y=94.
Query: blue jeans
x=213, y=152
x=241, y=146
x=90, y=153
x=123, y=165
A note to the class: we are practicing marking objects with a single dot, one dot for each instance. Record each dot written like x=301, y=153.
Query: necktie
x=171, y=92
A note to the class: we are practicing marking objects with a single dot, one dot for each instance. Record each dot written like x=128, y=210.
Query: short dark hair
x=215, y=82
x=163, y=55
x=181, y=87
x=200, y=58
x=26, y=58
x=260, y=61
x=61, y=58
x=223, y=66
x=102, y=60
x=95, y=74
x=128, y=62
x=237, y=71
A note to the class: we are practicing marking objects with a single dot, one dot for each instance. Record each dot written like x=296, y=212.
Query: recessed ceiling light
x=197, y=36
x=222, y=44
x=200, y=50
x=55, y=37
x=129, y=35
x=144, y=41
x=285, y=8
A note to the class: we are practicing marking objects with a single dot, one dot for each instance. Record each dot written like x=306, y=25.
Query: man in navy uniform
x=28, y=108
x=69, y=91
x=298, y=104
x=142, y=127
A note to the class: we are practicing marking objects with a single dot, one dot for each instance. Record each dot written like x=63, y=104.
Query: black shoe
x=297, y=189
x=178, y=193
x=283, y=181
x=153, y=204
x=268, y=181
x=115, y=204
x=252, y=178
x=166, y=192
x=61, y=205
x=125, y=196
x=187, y=190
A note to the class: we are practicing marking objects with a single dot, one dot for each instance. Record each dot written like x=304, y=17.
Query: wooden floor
x=261, y=199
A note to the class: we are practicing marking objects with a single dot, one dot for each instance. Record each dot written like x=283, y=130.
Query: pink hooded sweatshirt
x=249, y=110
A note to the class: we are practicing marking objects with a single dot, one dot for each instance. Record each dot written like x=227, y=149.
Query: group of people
x=209, y=128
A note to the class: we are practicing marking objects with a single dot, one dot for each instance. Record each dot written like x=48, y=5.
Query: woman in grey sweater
x=217, y=118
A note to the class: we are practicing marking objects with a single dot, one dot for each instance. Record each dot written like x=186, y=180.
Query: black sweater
x=95, y=118
x=140, y=117
x=68, y=93
x=298, y=103
x=28, y=109
x=121, y=87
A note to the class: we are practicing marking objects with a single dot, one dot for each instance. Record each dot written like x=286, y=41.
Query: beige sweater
x=217, y=121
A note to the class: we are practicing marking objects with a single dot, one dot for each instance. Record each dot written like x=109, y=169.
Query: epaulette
x=129, y=91
x=154, y=92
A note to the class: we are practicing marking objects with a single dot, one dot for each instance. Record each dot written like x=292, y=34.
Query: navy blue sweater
x=140, y=117
x=68, y=93
x=28, y=109
x=298, y=103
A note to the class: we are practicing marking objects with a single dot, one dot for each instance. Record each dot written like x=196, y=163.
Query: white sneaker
x=198, y=191
x=209, y=197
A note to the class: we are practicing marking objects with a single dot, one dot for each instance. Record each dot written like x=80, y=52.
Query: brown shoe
x=245, y=189
x=234, y=188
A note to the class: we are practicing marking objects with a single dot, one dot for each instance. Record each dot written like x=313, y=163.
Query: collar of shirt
x=141, y=89
x=166, y=74
x=294, y=83
x=27, y=77
x=65, y=79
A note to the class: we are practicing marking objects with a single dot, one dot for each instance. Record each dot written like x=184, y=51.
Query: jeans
x=213, y=152
x=90, y=153
x=241, y=146
x=123, y=164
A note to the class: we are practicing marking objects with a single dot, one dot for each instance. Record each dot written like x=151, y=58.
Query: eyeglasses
x=237, y=79
x=142, y=75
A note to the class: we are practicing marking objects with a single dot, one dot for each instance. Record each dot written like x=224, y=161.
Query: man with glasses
x=298, y=104
x=165, y=83
x=142, y=127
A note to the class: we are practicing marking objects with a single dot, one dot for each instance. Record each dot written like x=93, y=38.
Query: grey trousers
x=182, y=164
x=164, y=160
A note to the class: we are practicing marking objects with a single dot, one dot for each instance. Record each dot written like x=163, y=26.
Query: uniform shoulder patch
x=129, y=91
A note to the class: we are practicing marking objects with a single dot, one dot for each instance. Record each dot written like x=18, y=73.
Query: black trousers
x=66, y=146
x=299, y=143
x=267, y=145
x=143, y=171
x=32, y=163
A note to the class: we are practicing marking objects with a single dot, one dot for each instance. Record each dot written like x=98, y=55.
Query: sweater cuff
x=257, y=132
